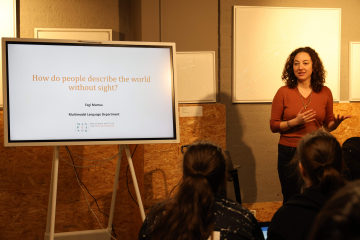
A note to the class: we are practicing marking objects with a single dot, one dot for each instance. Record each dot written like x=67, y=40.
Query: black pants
x=288, y=175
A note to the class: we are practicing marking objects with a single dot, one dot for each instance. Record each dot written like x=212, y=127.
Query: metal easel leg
x=50, y=223
x=136, y=186
x=112, y=208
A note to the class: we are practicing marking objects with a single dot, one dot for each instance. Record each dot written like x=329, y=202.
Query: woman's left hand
x=338, y=119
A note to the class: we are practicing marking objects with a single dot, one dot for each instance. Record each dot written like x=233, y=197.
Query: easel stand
x=99, y=234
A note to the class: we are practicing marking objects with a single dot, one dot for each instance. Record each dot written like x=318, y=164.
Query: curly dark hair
x=318, y=73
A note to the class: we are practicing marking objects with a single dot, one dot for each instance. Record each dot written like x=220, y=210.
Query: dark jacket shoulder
x=233, y=221
x=294, y=219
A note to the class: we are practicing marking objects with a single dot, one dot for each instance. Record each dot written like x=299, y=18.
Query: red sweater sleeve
x=329, y=114
x=277, y=111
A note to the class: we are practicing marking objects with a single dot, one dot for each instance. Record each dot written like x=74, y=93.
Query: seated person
x=196, y=212
x=319, y=161
x=351, y=155
x=340, y=217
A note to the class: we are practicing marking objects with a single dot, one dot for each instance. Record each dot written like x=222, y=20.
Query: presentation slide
x=75, y=92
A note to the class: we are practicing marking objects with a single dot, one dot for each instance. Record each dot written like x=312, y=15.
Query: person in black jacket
x=197, y=212
x=319, y=161
x=340, y=217
x=351, y=155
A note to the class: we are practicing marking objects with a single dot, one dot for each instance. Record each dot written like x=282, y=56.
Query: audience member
x=197, y=212
x=319, y=161
x=340, y=217
x=351, y=155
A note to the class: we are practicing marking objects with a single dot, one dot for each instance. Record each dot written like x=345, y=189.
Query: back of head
x=351, y=155
x=321, y=157
x=189, y=214
x=205, y=160
x=340, y=217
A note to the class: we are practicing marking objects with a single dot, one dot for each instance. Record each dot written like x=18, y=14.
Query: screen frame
x=55, y=142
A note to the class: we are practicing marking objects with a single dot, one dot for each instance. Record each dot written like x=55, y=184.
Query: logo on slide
x=82, y=127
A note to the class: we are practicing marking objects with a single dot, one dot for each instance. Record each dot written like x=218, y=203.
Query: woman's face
x=302, y=67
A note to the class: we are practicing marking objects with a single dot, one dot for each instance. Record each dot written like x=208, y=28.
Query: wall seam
x=160, y=20
x=219, y=59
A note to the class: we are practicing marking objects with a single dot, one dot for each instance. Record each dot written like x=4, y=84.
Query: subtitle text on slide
x=94, y=114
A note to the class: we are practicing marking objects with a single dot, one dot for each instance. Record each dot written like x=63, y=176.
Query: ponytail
x=330, y=179
x=321, y=156
x=189, y=215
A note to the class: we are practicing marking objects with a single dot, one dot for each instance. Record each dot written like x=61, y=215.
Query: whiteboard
x=354, y=71
x=196, y=77
x=265, y=36
x=74, y=34
x=7, y=29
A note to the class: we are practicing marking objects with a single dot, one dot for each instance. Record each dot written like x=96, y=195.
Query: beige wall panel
x=150, y=20
x=7, y=29
x=125, y=18
x=192, y=25
x=69, y=14
x=163, y=162
x=135, y=19
x=25, y=184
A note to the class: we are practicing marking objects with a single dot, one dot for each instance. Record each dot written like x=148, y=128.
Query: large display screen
x=76, y=93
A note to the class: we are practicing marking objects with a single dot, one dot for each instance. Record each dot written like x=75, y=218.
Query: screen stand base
x=99, y=234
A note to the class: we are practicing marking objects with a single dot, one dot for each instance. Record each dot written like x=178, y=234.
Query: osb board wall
x=350, y=127
x=162, y=162
x=264, y=211
x=25, y=174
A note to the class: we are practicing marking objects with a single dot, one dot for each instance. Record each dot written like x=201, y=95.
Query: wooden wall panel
x=350, y=127
x=265, y=210
x=25, y=174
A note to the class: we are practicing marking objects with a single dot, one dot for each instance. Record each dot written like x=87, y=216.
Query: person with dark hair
x=340, y=217
x=319, y=161
x=196, y=212
x=351, y=155
x=302, y=106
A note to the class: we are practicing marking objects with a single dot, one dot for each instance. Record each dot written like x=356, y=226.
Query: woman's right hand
x=305, y=117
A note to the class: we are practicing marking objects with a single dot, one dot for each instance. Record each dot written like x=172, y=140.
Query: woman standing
x=302, y=106
x=197, y=212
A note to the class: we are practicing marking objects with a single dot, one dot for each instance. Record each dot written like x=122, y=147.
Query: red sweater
x=287, y=104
